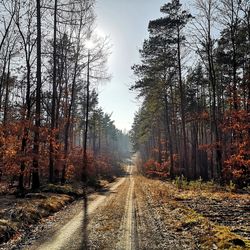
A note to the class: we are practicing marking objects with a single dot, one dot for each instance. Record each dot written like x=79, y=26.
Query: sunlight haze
x=125, y=22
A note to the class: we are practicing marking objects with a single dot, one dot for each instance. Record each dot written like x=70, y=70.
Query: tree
x=35, y=172
x=45, y=131
x=84, y=7
x=230, y=19
x=85, y=138
x=11, y=8
x=54, y=93
x=23, y=21
x=195, y=120
x=158, y=79
x=173, y=23
x=204, y=28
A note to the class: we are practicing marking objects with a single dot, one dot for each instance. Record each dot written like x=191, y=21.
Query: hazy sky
x=125, y=21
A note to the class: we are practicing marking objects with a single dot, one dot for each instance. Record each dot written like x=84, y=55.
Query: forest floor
x=141, y=213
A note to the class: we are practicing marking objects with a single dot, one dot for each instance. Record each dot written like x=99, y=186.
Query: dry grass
x=104, y=226
x=23, y=212
x=54, y=203
x=75, y=191
x=209, y=235
x=26, y=212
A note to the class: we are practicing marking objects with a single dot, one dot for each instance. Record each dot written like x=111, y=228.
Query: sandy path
x=69, y=236
x=136, y=213
x=127, y=228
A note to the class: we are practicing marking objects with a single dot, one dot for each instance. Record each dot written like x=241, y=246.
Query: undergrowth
x=28, y=212
x=183, y=184
x=209, y=235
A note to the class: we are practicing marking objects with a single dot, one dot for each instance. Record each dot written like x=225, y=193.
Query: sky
x=125, y=22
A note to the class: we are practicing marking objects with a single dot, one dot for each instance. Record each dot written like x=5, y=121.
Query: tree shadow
x=85, y=220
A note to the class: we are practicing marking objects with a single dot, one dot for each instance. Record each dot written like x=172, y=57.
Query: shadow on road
x=85, y=220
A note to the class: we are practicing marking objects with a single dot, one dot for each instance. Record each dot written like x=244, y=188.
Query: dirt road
x=136, y=213
x=128, y=225
x=74, y=234
x=71, y=234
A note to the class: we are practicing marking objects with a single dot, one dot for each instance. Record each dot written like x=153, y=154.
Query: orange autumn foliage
x=236, y=126
x=154, y=168
x=12, y=156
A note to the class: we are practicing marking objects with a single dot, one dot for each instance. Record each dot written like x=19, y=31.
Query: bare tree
x=230, y=11
x=204, y=28
x=36, y=146
x=81, y=31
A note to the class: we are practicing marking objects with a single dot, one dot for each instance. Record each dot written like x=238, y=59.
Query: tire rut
x=128, y=239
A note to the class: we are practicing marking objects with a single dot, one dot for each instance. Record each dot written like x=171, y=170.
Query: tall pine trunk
x=183, y=120
x=85, y=159
x=53, y=107
x=35, y=171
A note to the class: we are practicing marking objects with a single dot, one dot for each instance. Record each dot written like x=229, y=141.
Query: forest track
x=138, y=213
x=128, y=225
x=71, y=235
x=110, y=222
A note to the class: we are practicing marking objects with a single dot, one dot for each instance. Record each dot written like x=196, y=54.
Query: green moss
x=223, y=238
x=211, y=234
x=189, y=220
x=182, y=197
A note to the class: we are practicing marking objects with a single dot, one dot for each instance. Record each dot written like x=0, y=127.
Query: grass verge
x=19, y=214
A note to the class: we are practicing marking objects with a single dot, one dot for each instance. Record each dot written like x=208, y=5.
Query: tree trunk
x=72, y=101
x=6, y=101
x=27, y=116
x=169, y=136
x=85, y=159
x=183, y=120
x=53, y=107
x=35, y=172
